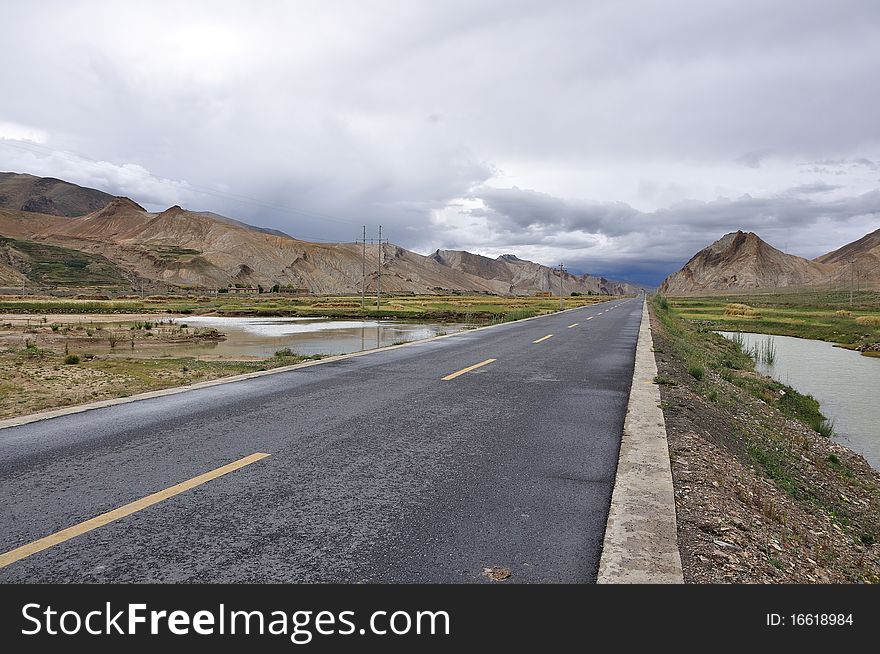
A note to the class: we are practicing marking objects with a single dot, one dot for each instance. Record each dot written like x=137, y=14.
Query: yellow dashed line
x=58, y=537
x=468, y=369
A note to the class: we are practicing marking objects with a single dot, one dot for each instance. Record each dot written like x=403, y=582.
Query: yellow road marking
x=574, y=325
x=58, y=537
x=543, y=338
x=468, y=369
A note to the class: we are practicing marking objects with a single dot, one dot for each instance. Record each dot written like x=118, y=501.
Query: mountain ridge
x=743, y=261
x=203, y=249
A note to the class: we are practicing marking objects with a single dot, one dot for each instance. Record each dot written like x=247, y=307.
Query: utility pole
x=561, y=274
x=379, y=273
x=851, y=262
x=364, y=270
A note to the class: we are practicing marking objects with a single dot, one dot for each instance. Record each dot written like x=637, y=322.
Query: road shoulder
x=641, y=544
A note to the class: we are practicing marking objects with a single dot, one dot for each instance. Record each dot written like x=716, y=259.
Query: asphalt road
x=379, y=470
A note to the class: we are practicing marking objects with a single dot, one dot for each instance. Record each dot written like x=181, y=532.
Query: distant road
x=427, y=463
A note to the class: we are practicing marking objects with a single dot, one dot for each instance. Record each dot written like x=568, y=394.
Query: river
x=846, y=384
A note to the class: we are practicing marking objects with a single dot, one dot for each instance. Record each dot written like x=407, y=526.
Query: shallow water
x=846, y=384
x=261, y=337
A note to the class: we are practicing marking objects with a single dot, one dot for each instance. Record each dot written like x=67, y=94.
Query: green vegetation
x=71, y=360
x=51, y=265
x=797, y=463
x=286, y=354
x=697, y=345
x=67, y=305
x=448, y=308
x=520, y=314
x=172, y=252
x=696, y=371
x=823, y=316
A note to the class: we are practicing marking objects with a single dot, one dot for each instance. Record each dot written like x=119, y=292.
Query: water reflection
x=251, y=338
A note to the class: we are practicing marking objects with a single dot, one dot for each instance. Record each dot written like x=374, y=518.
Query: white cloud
x=16, y=132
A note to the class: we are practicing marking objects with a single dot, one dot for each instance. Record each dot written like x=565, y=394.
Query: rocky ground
x=760, y=496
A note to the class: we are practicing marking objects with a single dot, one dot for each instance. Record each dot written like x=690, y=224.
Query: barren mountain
x=858, y=262
x=48, y=195
x=202, y=249
x=741, y=260
x=197, y=249
x=520, y=277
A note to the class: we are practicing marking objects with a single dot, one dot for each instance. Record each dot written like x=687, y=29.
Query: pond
x=846, y=384
x=258, y=338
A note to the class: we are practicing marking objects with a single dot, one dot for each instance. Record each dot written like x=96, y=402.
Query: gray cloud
x=754, y=158
x=815, y=187
x=618, y=239
x=316, y=117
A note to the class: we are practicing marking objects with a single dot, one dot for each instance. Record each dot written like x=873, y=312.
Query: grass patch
x=820, y=315
x=701, y=349
x=51, y=265
x=478, y=309
x=696, y=371
x=775, y=464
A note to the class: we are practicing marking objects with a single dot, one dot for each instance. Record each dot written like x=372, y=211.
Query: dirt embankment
x=761, y=497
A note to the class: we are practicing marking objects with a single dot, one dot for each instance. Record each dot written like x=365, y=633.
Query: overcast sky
x=618, y=137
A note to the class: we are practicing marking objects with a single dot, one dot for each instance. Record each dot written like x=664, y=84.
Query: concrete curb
x=641, y=536
x=79, y=408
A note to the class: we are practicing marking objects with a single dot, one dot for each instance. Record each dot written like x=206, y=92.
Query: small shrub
x=696, y=371
x=843, y=313
x=284, y=353
x=870, y=321
x=518, y=314
x=712, y=395
x=55, y=326
x=663, y=380
x=833, y=458
x=825, y=428
x=71, y=359
x=867, y=539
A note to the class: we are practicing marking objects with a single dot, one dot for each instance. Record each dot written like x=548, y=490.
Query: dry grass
x=741, y=310
x=871, y=321
x=843, y=313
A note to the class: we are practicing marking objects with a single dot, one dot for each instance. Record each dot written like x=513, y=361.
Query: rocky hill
x=741, y=260
x=200, y=249
x=865, y=257
x=520, y=277
x=48, y=195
